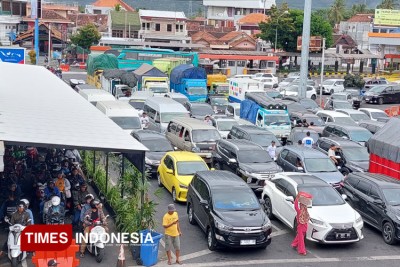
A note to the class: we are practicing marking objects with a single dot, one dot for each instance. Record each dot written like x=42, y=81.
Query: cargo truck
x=239, y=87
x=190, y=81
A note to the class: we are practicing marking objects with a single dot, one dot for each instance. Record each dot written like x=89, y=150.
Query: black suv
x=353, y=156
x=253, y=133
x=157, y=144
x=350, y=132
x=246, y=159
x=382, y=94
x=227, y=210
x=377, y=198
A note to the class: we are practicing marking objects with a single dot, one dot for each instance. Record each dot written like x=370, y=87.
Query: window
x=363, y=187
x=169, y=163
x=352, y=181
x=180, y=130
x=374, y=192
x=231, y=63
x=230, y=110
x=290, y=191
x=171, y=127
x=169, y=27
x=117, y=33
x=292, y=158
x=203, y=190
x=158, y=27
x=281, y=185
x=148, y=26
x=324, y=145
x=284, y=153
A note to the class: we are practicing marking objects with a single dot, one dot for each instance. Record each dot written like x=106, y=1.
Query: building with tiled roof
x=358, y=27
x=250, y=23
x=105, y=6
x=81, y=19
x=235, y=40
x=123, y=24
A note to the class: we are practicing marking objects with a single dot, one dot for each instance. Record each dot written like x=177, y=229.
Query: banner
x=387, y=17
x=12, y=55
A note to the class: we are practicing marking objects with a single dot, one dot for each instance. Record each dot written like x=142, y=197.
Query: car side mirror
x=175, y=148
x=169, y=171
x=289, y=198
x=344, y=196
x=204, y=203
x=232, y=161
x=345, y=137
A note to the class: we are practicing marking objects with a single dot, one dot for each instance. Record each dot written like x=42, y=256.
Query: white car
x=268, y=83
x=356, y=115
x=332, y=86
x=293, y=90
x=287, y=81
x=374, y=113
x=224, y=124
x=266, y=75
x=332, y=220
x=233, y=110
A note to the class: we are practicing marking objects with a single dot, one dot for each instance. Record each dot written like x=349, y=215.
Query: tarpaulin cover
x=101, y=62
x=248, y=110
x=129, y=79
x=186, y=71
x=113, y=73
x=386, y=142
x=147, y=70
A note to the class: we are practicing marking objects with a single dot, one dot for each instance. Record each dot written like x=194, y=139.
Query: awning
x=39, y=109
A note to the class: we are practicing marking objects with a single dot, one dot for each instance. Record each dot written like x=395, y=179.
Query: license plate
x=342, y=235
x=247, y=242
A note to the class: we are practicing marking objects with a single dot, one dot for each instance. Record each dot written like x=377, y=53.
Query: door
x=281, y=159
x=195, y=198
x=186, y=141
x=168, y=177
x=292, y=162
x=288, y=211
x=278, y=198
x=203, y=211
x=375, y=211
x=396, y=94
x=362, y=190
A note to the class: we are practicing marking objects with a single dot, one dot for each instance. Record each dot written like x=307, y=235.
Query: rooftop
x=253, y=19
x=161, y=14
x=112, y=4
x=361, y=18
x=122, y=18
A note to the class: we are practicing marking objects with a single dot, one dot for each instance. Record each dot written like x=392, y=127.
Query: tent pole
x=122, y=175
x=94, y=162
x=106, y=172
x=143, y=181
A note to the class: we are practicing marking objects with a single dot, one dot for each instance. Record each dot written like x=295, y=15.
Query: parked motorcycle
x=14, y=244
x=97, y=249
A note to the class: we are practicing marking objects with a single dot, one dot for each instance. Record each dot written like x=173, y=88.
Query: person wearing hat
x=51, y=263
x=271, y=149
x=172, y=233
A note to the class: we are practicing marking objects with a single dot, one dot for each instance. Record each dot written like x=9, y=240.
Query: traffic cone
x=121, y=257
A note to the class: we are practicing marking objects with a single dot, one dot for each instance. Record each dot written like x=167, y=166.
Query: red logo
x=46, y=237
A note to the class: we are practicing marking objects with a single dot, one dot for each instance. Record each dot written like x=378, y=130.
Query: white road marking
x=162, y=243
x=196, y=254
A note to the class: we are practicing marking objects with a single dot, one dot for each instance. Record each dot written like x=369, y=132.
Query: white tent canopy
x=38, y=109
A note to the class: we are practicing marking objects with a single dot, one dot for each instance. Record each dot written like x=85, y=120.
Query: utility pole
x=322, y=71
x=305, y=46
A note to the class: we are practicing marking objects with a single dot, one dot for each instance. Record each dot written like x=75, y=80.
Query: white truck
x=114, y=87
x=238, y=87
x=157, y=85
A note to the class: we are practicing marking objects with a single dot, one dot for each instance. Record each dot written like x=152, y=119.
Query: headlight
x=359, y=219
x=195, y=149
x=317, y=222
x=267, y=225
x=222, y=226
x=183, y=186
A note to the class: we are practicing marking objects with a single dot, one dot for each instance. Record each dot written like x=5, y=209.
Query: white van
x=334, y=116
x=161, y=110
x=122, y=114
x=96, y=95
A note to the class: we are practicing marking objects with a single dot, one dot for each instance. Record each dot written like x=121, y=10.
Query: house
x=344, y=43
x=11, y=13
x=123, y=24
x=221, y=13
x=163, y=26
x=105, y=6
x=250, y=23
x=234, y=40
x=358, y=27
x=200, y=24
x=81, y=19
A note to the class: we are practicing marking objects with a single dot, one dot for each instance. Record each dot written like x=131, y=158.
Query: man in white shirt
x=332, y=154
x=308, y=141
x=144, y=120
x=271, y=149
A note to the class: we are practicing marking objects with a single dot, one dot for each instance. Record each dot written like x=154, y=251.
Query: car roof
x=381, y=180
x=148, y=135
x=350, y=111
x=332, y=113
x=242, y=144
x=253, y=129
x=347, y=126
x=184, y=156
x=340, y=141
x=372, y=110
x=303, y=130
x=176, y=95
x=305, y=152
x=371, y=122
x=221, y=179
x=223, y=119
x=304, y=113
x=199, y=124
x=304, y=179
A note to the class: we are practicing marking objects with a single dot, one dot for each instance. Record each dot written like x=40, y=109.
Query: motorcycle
x=56, y=205
x=14, y=244
x=97, y=249
x=56, y=217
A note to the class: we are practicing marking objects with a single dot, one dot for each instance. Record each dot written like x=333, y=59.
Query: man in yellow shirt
x=172, y=233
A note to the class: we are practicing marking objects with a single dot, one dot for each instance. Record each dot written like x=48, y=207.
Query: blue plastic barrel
x=148, y=249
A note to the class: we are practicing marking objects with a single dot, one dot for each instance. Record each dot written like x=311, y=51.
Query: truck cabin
x=158, y=88
x=219, y=88
x=122, y=90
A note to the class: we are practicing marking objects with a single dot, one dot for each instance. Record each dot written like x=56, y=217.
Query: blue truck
x=190, y=81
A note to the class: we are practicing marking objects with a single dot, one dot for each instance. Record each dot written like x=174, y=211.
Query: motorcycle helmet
x=56, y=167
x=76, y=186
x=26, y=202
x=94, y=203
x=89, y=196
x=55, y=201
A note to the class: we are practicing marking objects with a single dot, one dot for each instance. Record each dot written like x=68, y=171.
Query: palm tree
x=337, y=11
x=359, y=9
x=388, y=4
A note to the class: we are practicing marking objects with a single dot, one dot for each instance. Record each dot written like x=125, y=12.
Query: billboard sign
x=12, y=55
x=315, y=43
x=387, y=17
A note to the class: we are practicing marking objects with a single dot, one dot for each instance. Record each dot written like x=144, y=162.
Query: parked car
x=199, y=110
x=233, y=110
x=176, y=172
x=383, y=94
x=353, y=156
x=227, y=210
x=297, y=116
x=247, y=160
x=218, y=103
x=331, y=86
x=157, y=144
x=356, y=115
x=374, y=82
x=349, y=132
x=308, y=160
x=356, y=95
x=285, y=82
x=253, y=133
x=224, y=125
x=298, y=133
x=268, y=83
x=372, y=126
x=293, y=74
x=266, y=75
x=178, y=97
x=138, y=99
x=333, y=104
x=334, y=116
x=293, y=90
x=305, y=103
x=355, y=101
x=332, y=220
x=377, y=198
x=374, y=113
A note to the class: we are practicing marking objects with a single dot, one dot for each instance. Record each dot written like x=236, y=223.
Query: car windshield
x=137, y=105
x=253, y=156
x=127, y=123
x=197, y=91
x=289, y=80
x=205, y=135
x=328, y=82
x=223, y=125
x=376, y=115
x=159, y=90
x=274, y=94
x=320, y=165
x=378, y=89
x=292, y=89
x=235, y=199
x=308, y=103
x=342, y=105
x=392, y=196
x=323, y=195
x=222, y=89
x=158, y=145
x=360, y=136
x=356, y=153
x=315, y=120
x=344, y=120
x=339, y=97
x=277, y=119
x=190, y=167
x=202, y=110
x=353, y=92
x=219, y=101
x=181, y=100
x=264, y=140
x=168, y=116
x=359, y=117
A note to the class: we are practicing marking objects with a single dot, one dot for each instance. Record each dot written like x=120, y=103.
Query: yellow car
x=176, y=171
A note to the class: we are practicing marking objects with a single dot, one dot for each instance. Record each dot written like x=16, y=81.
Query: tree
x=388, y=4
x=337, y=11
x=361, y=9
x=86, y=36
x=117, y=7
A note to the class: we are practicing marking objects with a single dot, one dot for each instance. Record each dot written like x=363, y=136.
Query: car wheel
x=388, y=233
x=380, y=101
x=268, y=207
x=332, y=92
x=159, y=180
x=313, y=97
x=217, y=166
x=191, y=215
x=174, y=195
x=211, y=241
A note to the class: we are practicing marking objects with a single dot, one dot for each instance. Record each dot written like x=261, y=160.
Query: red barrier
x=64, y=67
x=66, y=258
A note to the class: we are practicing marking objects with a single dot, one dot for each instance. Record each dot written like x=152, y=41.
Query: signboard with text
x=12, y=55
x=315, y=43
x=389, y=17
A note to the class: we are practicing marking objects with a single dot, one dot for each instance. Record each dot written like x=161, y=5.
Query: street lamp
x=276, y=29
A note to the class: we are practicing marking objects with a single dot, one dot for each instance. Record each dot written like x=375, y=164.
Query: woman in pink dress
x=302, y=222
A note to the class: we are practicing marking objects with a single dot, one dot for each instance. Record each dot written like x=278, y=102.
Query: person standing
x=172, y=233
x=302, y=223
x=308, y=141
x=271, y=149
x=332, y=154
x=144, y=120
